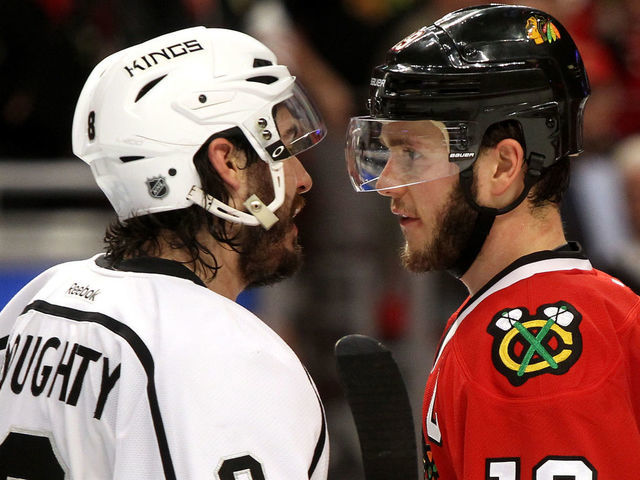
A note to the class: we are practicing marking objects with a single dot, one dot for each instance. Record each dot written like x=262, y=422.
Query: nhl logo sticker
x=542, y=30
x=157, y=187
x=526, y=345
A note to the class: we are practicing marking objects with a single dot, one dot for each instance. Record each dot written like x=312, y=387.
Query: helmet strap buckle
x=258, y=209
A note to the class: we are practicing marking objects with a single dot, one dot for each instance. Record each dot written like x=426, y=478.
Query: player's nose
x=304, y=181
x=387, y=183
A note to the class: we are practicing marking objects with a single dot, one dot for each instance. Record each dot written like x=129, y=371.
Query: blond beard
x=454, y=224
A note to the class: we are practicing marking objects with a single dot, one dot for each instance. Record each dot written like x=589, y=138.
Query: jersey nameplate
x=38, y=365
x=526, y=345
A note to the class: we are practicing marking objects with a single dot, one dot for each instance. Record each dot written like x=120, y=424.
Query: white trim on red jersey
x=524, y=268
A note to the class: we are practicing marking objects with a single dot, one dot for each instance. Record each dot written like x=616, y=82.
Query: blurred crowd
x=352, y=280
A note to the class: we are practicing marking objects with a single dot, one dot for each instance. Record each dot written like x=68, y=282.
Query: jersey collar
x=156, y=265
x=567, y=257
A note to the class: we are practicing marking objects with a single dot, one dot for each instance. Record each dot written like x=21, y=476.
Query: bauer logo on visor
x=386, y=154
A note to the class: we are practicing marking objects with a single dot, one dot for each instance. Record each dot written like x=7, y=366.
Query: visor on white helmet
x=286, y=128
x=386, y=154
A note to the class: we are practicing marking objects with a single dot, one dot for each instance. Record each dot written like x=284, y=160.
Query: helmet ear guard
x=259, y=213
x=145, y=111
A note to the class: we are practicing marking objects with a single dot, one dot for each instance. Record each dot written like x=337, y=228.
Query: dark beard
x=265, y=258
x=455, y=223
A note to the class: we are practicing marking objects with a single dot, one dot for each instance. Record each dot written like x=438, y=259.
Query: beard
x=454, y=225
x=266, y=256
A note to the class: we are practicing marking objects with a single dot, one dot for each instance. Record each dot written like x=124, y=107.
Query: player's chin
x=415, y=244
x=417, y=260
x=280, y=267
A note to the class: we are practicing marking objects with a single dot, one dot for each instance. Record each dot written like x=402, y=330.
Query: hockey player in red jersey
x=473, y=124
x=138, y=363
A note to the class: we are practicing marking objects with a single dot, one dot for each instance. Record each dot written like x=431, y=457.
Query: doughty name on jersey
x=39, y=364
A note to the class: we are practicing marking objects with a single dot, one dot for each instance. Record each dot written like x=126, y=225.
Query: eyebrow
x=410, y=140
x=396, y=140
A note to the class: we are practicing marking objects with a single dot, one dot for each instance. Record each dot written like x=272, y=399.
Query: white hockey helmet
x=145, y=111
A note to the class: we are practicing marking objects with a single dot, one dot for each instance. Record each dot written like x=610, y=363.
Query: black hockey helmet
x=443, y=86
x=473, y=68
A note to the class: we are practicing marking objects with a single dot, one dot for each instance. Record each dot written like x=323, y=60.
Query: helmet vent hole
x=131, y=158
x=262, y=79
x=144, y=90
x=259, y=62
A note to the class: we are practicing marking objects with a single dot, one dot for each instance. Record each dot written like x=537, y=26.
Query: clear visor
x=299, y=125
x=386, y=154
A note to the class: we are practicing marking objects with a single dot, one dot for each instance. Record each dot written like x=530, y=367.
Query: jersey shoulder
x=554, y=332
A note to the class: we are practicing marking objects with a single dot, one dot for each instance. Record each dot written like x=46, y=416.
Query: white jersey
x=141, y=372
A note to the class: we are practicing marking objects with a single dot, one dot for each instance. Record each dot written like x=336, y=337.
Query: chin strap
x=259, y=213
x=487, y=215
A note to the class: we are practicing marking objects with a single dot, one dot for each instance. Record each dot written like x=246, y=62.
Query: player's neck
x=226, y=281
x=514, y=235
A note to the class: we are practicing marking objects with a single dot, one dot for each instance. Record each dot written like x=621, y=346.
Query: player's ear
x=222, y=157
x=506, y=167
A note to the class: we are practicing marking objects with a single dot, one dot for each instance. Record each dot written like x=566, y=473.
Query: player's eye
x=410, y=154
x=291, y=134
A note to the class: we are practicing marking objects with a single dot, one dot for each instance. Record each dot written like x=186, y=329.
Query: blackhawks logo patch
x=542, y=30
x=526, y=345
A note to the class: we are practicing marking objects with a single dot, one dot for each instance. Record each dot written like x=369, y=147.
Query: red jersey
x=537, y=377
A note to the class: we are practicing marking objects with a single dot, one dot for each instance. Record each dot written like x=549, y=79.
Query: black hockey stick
x=379, y=403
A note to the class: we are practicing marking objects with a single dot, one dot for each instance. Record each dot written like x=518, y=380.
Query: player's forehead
x=285, y=117
x=422, y=131
x=288, y=126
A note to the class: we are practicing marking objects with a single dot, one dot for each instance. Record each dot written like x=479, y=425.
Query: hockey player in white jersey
x=138, y=363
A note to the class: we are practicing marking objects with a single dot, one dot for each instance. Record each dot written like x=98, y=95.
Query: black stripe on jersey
x=143, y=354
x=317, y=453
x=157, y=265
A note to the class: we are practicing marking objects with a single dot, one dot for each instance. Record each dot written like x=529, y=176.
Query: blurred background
x=52, y=211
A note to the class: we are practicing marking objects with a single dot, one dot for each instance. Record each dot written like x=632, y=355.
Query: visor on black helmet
x=384, y=154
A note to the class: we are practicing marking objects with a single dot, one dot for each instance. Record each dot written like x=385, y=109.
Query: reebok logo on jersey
x=526, y=345
x=85, y=292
